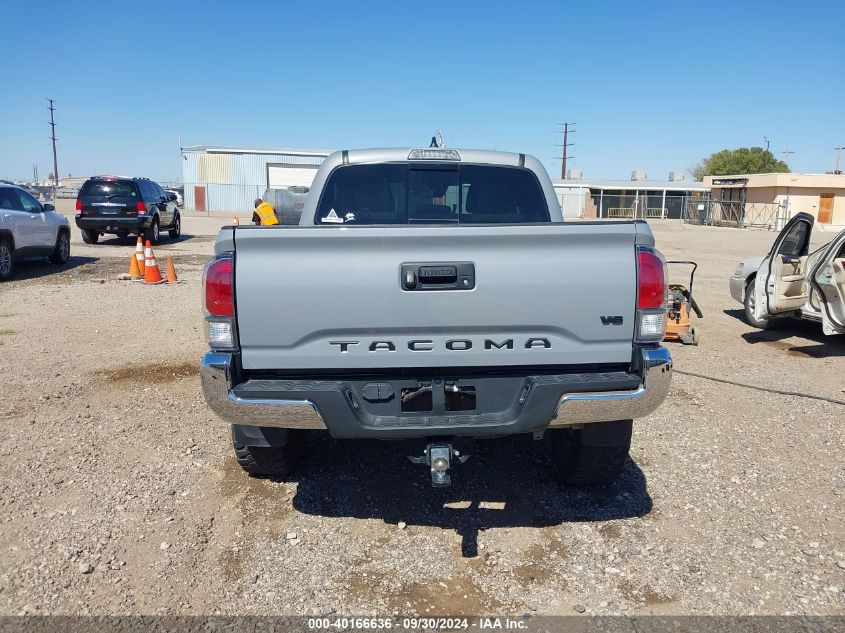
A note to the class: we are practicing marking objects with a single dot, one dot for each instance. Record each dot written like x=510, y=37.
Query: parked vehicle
x=29, y=229
x=792, y=282
x=437, y=294
x=178, y=196
x=126, y=206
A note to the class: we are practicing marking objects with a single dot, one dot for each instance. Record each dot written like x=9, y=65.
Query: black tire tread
x=89, y=236
x=6, y=240
x=582, y=465
x=54, y=257
x=270, y=460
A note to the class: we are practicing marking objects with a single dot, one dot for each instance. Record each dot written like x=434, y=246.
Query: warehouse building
x=228, y=179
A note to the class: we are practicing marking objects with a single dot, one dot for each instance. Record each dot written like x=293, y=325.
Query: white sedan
x=792, y=282
x=29, y=229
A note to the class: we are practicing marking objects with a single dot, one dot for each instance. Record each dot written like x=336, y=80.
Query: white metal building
x=229, y=179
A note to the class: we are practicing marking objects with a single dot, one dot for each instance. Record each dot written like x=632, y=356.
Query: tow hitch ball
x=439, y=459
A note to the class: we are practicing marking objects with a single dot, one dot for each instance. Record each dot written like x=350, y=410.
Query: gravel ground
x=119, y=492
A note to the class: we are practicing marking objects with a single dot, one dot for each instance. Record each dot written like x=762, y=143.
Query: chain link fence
x=767, y=215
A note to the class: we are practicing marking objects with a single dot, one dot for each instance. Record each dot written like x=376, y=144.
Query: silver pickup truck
x=437, y=294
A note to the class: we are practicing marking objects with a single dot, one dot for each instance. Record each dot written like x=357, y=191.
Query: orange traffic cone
x=236, y=221
x=171, y=271
x=134, y=273
x=139, y=256
x=152, y=274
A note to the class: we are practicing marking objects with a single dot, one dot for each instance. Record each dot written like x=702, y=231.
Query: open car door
x=781, y=285
x=828, y=280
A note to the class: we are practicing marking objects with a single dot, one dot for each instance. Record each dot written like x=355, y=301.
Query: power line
x=786, y=154
x=53, y=138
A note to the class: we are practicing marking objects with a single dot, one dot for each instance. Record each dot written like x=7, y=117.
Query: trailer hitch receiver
x=439, y=459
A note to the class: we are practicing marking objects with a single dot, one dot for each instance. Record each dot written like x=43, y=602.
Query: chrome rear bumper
x=573, y=409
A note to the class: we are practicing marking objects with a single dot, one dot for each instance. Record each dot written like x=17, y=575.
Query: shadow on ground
x=783, y=329
x=122, y=242
x=35, y=268
x=508, y=482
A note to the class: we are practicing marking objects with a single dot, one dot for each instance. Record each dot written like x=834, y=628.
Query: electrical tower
x=53, y=138
x=567, y=128
x=786, y=154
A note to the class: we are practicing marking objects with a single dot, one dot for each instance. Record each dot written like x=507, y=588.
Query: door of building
x=199, y=198
x=825, y=208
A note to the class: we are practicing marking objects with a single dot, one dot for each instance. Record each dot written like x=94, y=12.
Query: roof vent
x=639, y=175
x=574, y=174
x=676, y=176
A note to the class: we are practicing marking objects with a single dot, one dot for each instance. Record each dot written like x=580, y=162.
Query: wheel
x=153, y=233
x=61, y=253
x=268, y=451
x=89, y=236
x=7, y=261
x=769, y=324
x=593, y=455
x=176, y=231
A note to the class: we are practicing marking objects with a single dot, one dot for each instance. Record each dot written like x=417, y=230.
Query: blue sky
x=651, y=86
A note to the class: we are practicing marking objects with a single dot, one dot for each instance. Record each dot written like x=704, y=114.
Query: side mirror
x=172, y=197
x=49, y=207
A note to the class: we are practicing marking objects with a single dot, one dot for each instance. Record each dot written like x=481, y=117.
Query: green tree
x=743, y=160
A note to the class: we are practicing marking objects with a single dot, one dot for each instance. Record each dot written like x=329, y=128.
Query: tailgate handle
x=438, y=276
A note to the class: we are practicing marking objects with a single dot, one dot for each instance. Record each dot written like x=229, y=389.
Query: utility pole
x=766, y=138
x=53, y=138
x=838, y=152
x=786, y=154
x=566, y=145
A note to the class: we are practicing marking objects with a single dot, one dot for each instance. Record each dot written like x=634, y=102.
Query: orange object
x=171, y=271
x=681, y=305
x=139, y=256
x=152, y=274
x=134, y=272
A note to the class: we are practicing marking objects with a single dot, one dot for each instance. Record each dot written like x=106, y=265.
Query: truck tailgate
x=333, y=297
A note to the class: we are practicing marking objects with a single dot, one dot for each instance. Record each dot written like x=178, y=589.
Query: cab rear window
x=109, y=189
x=411, y=193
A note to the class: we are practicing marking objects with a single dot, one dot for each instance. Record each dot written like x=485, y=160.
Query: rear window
x=109, y=188
x=408, y=193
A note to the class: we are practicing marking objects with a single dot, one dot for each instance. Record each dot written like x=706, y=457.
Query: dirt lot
x=119, y=492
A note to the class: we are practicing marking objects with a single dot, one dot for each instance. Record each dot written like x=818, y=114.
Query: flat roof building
x=771, y=199
x=643, y=199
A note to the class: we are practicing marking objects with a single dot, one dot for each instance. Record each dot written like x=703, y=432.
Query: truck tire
x=263, y=451
x=593, y=455
x=89, y=236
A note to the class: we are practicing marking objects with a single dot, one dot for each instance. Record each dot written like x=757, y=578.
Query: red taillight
x=219, y=284
x=651, y=289
x=79, y=206
x=140, y=207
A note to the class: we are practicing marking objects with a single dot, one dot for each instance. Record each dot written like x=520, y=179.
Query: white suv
x=29, y=229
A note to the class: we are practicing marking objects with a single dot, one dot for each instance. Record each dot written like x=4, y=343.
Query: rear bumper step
x=352, y=407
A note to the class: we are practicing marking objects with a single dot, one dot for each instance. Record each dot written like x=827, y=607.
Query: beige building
x=771, y=199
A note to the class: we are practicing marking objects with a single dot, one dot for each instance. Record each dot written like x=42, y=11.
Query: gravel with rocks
x=119, y=492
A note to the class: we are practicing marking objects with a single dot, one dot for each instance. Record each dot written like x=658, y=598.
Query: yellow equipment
x=681, y=302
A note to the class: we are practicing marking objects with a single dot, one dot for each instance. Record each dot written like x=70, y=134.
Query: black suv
x=124, y=206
